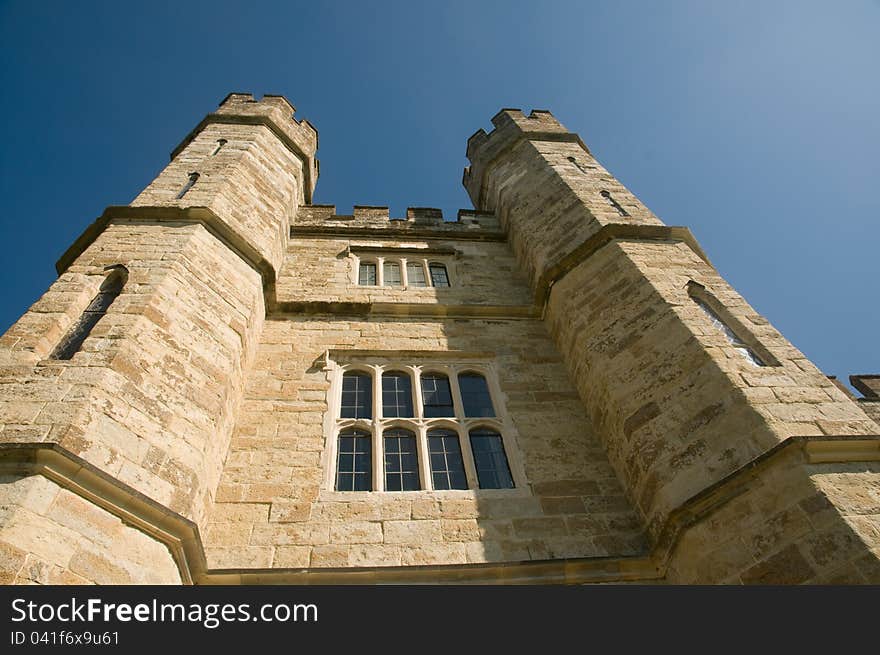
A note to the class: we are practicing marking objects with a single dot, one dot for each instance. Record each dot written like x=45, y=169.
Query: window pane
x=357, y=396
x=475, y=395
x=439, y=277
x=447, y=468
x=415, y=274
x=392, y=274
x=734, y=340
x=396, y=395
x=367, y=276
x=437, y=395
x=493, y=471
x=401, y=461
x=353, y=461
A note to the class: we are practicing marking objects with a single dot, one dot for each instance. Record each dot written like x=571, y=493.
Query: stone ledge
x=159, y=215
x=605, y=235
x=416, y=310
x=182, y=537
x=398, y=230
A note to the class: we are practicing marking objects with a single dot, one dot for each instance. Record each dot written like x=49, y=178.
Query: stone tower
x=230, y=384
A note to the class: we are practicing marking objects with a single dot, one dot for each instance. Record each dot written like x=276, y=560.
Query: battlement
x=278, y=114
x=417, y=219
x=511, y=127
x=278, y=108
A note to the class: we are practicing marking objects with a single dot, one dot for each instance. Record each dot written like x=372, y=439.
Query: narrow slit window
x=437, y=395
x=354, y=461
x=357, y=396
x=447, y=465
x=439, y=276
x=401, y=461
x=580, y=167
x=193, y=178
x=614, y=203
x=747, y=353
x=396, y=395
x=392, y=274
x=415, y=274
x=475, y=395
x=73, y=340
x=367, y=274
x=490, y=460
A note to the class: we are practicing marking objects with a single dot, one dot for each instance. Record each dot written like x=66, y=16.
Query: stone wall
x=274, y=508
x=795, y=523
x=150, y=397
x=49, y=535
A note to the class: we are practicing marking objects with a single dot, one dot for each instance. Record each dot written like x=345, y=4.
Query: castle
x=229, y=384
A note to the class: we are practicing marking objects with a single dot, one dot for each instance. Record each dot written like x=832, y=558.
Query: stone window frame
x=402, y=261
x=744, y=338
x=337, y=365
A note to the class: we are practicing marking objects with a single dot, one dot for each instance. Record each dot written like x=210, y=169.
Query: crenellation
x=653, y=426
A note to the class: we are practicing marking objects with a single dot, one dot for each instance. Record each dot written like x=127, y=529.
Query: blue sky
x=753, y=123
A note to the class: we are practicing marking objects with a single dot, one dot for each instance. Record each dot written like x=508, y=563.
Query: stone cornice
x=396, y=233
x=183, y=540
x=401, y=309
x=403, y=250
x=158, y=215
x=605, y=235
x=256, y=119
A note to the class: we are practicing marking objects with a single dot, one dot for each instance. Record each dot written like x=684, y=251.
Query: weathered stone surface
x=208, y=385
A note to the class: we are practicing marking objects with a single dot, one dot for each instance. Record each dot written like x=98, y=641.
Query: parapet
x=511, y=127
x=276, y=113
x=424, y=221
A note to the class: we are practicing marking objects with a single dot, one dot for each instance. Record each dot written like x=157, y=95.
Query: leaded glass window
x=439, y=276
x=447, y=466
x=357, y=396
x=73, y=340
x=475, y=395
x=415, y=275
x=490, y=460
x=401, y=461
x=437, y=395
x=396, y=395
x=734, y=340
x=367, y=274
x=392, y=274
x=354, y=461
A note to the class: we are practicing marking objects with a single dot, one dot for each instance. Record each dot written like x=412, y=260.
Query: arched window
x=354, y=461
x=367, y=274
x=437, y=395
x=490, y=460
x=357, y=396
x=439, y=276
x=392, y=274
x=475, y=395
x=73, y=340
x=401, y=460
x=415, y=275
x=447, y=465
x=396, y=395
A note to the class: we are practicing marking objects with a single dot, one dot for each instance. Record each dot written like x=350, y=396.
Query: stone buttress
x=744, y=469
x=137, y=423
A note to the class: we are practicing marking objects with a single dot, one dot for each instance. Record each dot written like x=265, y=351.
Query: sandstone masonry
x=655, y=427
